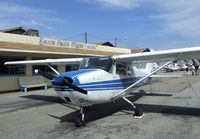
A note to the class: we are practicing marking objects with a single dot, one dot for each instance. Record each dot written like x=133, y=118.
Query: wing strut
x=53, y=69
x=139, y=81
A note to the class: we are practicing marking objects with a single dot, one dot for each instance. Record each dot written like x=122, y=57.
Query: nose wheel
x=80, y=119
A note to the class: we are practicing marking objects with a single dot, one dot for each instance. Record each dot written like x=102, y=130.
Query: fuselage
x=100, y=85
x=101, y=78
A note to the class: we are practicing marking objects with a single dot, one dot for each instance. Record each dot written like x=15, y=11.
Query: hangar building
x=26, y=44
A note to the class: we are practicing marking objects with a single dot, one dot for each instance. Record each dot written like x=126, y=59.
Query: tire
x=86, y=108
x=78, y=121
x=138, y=112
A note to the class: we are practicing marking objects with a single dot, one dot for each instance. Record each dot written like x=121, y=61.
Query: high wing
x=47, y=61
x=164, y=55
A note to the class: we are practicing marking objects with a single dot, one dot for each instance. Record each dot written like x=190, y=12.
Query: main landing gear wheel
x=138, y=113
x=86, y=108
x=79, y=120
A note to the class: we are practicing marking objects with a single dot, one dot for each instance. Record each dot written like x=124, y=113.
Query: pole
x=115, y=42
x=86, y=37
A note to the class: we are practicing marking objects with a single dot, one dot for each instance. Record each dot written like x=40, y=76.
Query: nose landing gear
x=80, y=119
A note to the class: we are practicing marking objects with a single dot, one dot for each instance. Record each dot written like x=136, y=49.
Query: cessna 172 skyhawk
x=105, y=79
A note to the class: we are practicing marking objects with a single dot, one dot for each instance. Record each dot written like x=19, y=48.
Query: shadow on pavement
x=102, y=110
x=99, y=111
x=53, y=99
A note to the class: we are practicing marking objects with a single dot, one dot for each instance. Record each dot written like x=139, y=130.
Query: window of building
x=44, y=68
x=68, y=68
x=11, y=69
x=71, y=67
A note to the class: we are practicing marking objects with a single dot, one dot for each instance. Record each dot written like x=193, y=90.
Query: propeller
x=65, y=81
x=68, y=82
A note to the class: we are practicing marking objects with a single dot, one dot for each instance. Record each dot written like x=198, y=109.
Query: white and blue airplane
x=105, y=79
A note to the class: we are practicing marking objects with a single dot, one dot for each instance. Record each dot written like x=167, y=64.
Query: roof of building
x=105, y=43
x=140, y=50
x=15, y=28
x=22, y=31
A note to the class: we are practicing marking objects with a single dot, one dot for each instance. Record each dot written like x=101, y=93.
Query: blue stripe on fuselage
x=114, y=81
x=104, y=85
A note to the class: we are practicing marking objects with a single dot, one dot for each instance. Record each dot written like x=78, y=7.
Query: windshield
x=103, y=63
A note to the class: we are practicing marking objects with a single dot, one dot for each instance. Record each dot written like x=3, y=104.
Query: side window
x=121, y=69
x=140, y=65
x=129, y=70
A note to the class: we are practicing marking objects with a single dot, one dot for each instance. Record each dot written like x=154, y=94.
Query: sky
x=154, y=24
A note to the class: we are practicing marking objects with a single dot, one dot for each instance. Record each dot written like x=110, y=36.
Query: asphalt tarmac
x=171, y=107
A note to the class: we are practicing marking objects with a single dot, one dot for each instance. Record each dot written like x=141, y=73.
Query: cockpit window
x=103, y=63
x=122, y=69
